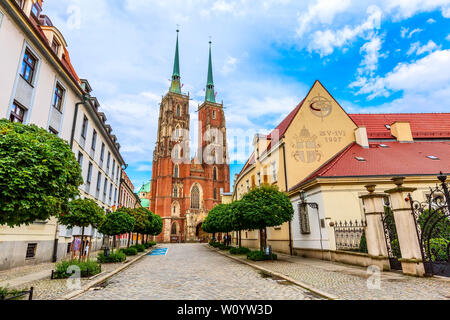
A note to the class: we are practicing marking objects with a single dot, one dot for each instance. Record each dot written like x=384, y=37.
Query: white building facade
x=38, y=85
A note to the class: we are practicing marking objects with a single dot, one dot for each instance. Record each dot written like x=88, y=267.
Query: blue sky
x=373, y=56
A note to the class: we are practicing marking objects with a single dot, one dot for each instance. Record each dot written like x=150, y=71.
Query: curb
x=301, y=284
x=100, y=280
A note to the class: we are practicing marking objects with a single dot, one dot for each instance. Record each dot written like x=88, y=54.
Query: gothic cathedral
x=184, y=190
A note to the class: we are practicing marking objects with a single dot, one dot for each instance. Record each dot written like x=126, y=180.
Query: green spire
x=176, y=86
x=210, y=94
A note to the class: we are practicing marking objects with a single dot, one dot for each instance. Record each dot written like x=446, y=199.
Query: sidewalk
x=351, y=283
x=38, y=276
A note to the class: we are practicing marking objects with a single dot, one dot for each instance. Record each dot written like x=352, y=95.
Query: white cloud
x=229, y=65
x=447, y=37
x=322, y=11
x=417, y=49
x=417, y=30
x=426, y=75
x=446, y=12
x=431, y=21
x=404, y=9
x=324, y=42
x=371, y=52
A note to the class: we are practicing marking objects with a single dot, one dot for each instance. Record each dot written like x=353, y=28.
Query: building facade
x=127, y=197
x=184, y=190
x=40, y=86
x=323, y=156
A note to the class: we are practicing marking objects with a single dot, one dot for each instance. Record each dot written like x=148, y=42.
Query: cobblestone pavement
x=350, y=283
x=194, y=272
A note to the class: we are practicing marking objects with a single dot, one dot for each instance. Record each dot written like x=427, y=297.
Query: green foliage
x=139, y=247
x=439, y=249
x=141, y=219
x=116, y=223
x=260, y=256
x=82, y=213
x=363, y=244
x=39, y=174
x=240, y=251
x=215, y=221
x=112, y=258
x=129, y=251
x=265, y=207
x=87, y=269
x=149, y=244
x=223, y=247
x=6, y=293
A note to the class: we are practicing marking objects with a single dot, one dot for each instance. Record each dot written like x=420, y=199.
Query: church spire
x=176, y=86
x=210, y=94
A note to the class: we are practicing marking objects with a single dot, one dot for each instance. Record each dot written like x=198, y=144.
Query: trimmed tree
x=238, y=223
x=218, y=220
x=265, y=207
x=156, y=225
x=38, y=174
x=82, y=213
x=140, y=216
x=117, y=223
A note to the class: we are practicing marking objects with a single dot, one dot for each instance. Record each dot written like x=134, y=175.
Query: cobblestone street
x=194, y=272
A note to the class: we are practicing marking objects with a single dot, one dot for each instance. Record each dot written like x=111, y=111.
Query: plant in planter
x=130, y=251
x=112, y=258
x=260, y=256
x=87, y=269
x=240, y=251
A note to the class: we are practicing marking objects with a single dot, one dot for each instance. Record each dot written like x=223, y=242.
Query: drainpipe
x=286, y=185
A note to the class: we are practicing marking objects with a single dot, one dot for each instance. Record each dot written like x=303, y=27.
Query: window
x=80, y=158
x=105, y=187
x=176, y=172
x=195, y=198
x=58, y=97
x=89, y=175
x=215, y=194
x=175, y=192
x=118, y=174
x=115, y=195
x=94, y=140
x=304, y=218
x=17, y=113
x=20, y=3
x=214, y=174
x=55, y=46
x=84, y=127
x=178, y=111
x=36, y=9
x=110, y=191
x=31, y=250
x=108, y=162
x=214, y=114
x=51, y=130
x=28, y=67
x=274, y=172
x=113, y=168
x=99, y=181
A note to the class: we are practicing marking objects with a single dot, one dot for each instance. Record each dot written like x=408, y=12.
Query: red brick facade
x=183, y=193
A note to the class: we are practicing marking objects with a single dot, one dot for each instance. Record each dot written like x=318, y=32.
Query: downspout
x=55, y=243
x=286, y=185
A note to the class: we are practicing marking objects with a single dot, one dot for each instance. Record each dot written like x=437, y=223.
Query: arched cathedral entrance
x=201, y=235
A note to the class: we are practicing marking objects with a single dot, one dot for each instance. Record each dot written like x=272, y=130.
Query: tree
x=117, y=223
x=265, y=207
x=82, y=213
x=218, y=220
x=156, y=225
x=39, y=174
x=140, y=216
x=238, y=208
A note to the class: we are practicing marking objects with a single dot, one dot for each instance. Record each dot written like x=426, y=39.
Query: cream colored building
x=38, y=85
x=302, y=152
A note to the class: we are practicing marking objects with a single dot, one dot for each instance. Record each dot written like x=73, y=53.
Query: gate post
x=412, y=262
x=376, y=243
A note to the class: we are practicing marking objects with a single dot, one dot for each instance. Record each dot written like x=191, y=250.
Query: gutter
x=286, y=187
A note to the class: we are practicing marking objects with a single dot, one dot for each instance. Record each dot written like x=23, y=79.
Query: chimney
x=361, y=137
x=402, y=131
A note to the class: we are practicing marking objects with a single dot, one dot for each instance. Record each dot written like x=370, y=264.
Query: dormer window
x=55, y=46
x=360, y=159
x=36, y=10
x=433, y=158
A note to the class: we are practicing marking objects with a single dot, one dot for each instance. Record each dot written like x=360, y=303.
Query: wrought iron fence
x=349, y=234
x=19, y=295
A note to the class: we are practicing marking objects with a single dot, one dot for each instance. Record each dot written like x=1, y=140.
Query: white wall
x=318, y=238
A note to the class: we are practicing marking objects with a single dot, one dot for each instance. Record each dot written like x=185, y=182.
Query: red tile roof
x=397, y=159
x=423, y=125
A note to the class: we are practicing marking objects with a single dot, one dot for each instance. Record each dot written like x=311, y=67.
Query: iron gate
x=390, y=234
x=432, y=219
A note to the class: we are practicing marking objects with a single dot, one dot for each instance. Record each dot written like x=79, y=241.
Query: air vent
x=360, y=159
x=433, y=158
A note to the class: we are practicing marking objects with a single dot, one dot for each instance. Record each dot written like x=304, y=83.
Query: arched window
x=214, y=174
x=195, y=198
x=215, y=194
x=178, y=111
x=176, y=172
